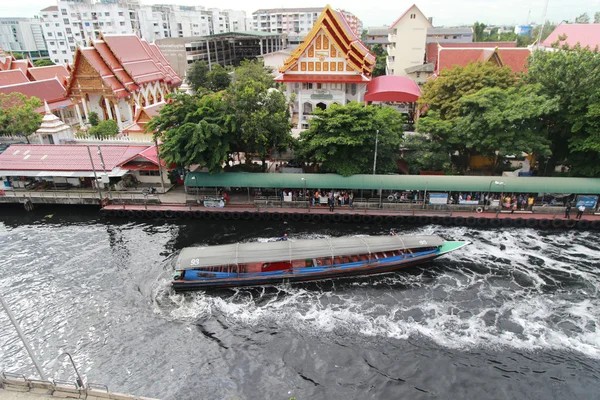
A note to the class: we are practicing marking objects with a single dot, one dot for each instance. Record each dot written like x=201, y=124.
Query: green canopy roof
x=397, y=182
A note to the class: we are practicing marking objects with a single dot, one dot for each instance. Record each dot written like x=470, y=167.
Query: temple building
x=330, y=66
x=116, y=75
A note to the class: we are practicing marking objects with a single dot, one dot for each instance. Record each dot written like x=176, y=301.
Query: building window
x=413, y=16
x=418, y=74
x=56, y=61
x=51, y=42
x=107, y=14
x=320, y=86
x=149, y=173
x=64, y=52
x=49, y=33
x=54, y=51
x=70, y=39
x=61, y=43
x=63, y=11
x=47, y=25
x=353, y=89
x=66, y=21
x=122, y=23
x=56, y=24
x=120, y=13
x=59, y=34
x=68, y=30
x=307, y=85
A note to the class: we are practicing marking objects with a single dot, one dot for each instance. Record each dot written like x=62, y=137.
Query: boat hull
x=333, y=273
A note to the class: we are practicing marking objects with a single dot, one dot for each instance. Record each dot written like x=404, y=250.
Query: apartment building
x=23, y=35
x=296, y=23
x=75, y=22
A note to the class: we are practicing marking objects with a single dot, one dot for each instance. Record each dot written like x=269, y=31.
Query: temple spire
x=48, y=112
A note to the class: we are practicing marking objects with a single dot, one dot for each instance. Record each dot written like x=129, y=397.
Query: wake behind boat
x=255, y=264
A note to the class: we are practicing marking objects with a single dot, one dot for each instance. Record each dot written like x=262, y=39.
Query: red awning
x=140, y=166
x=322, y=78
x=394, y=89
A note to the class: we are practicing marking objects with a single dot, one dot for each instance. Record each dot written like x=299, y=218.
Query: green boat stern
x=450, y=246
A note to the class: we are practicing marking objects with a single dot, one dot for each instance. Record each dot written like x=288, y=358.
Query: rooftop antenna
x=528, y=17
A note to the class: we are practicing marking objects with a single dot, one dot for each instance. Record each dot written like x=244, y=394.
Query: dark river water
x=513, y=316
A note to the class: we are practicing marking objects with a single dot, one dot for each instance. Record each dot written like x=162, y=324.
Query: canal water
x=514, y=315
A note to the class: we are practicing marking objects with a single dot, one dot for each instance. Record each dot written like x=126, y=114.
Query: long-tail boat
x=269, y=263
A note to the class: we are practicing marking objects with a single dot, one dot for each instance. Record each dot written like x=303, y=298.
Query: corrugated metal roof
x=397, y=182
x=64, y=157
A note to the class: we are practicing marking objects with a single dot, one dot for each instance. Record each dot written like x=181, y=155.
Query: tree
x=105, y=129
x=218, y=79
x=380, y=63
x=583, y=19
x=597, y=17
x=342, y=138
x=43, y=63
x=571, y=76
x=548, y=28
x=478, y=28
x=261, y=111
x=197, y=75
x=497, y=122
x=444, y=92
x=18, y=56
x=93, y=119
x=424, y=154
x=196, y=130
x=18, y=115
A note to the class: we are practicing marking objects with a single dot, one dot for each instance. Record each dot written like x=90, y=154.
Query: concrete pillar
x=118, y=116
x=208, y=52
x=261, y=47
x=108, y=108
x=85, y=109
x=78, y=111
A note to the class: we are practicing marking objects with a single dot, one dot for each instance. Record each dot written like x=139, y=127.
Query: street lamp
x=304, y=194
x=490, y=189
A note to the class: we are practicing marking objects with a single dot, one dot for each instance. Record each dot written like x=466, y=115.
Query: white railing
x=80, y=139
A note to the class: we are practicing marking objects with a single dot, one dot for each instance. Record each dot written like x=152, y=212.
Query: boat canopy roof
x=243, y=253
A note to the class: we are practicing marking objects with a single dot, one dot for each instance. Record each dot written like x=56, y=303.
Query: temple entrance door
x=322, y=106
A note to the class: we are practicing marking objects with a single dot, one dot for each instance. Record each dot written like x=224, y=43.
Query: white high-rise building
x=295, y=23
x=23, y=35
x=74, y=22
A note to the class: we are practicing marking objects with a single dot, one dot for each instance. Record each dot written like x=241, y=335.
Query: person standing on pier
x=568, y=210
x=580, y=211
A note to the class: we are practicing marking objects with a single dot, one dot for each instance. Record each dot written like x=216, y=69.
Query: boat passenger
x=393, y=233
x=283, y=238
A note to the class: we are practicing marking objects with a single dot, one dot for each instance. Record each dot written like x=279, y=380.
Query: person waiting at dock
x=530, y=201
x=331, y=202
x=580, y=211
x=568, y=210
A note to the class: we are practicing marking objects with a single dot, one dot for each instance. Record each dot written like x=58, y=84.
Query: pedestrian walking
x=580, y=211
x=568, y=211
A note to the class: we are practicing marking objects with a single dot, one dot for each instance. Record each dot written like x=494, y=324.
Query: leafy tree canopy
x=18, y=56
x=571, y=76
x=380, y=57
x=196, y=130
x=424, y=154
x=18, y=115
x=104, y=129
x=218, y=79
x=443, y=93
x=93, y=119
x=583, y=19
x=197, y=75
x=252, y=71
x=342, y=138
x=43, y=63
x=503, y=122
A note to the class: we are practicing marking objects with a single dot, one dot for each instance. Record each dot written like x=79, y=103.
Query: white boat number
x=195, y=261
x=422, y=241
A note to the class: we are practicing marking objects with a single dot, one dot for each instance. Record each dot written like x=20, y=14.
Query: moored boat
x=256, y=264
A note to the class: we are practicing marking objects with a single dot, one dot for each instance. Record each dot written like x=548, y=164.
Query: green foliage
x=195, y=130
x=43, y=63
x=424, y=154
x=18, y=56
x=478, y=34
x=571, y=76
x=197, y=75
x=583, y=19
x=442, y=94
x=218, y=79
x=503, y=122
x=104, y=129
x=548, y=28
x=253, y=71
x=93, y=119
x=380, y=63
x=597, y=17
x=18, y=115
x=342, y=138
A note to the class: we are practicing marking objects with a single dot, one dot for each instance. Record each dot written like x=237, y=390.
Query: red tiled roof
x=516, y=58
x=135, y=59
x=31, y=157
x=23, y=65
x=49, y=72
x=149, y=154
x=449, y=58
x=12, y=77
x=322, y=78
x=432, y=48
x=115, y=66
x=50, y=90
x=390, y=88
x=104, y=70
x=51, y=8
x=162, y=62
x=584, y=34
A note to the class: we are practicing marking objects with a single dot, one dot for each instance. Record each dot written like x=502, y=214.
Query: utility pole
x=95, y=175
x=160, y=171
x=104, y=169
x=375, y=158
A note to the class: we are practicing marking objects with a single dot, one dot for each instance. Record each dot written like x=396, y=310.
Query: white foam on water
x=509, y=288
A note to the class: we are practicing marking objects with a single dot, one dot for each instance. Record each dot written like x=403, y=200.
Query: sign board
x=587, y=201
x=438, y=198
x=287, y=197
x=214, y=203
x=469, y=202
